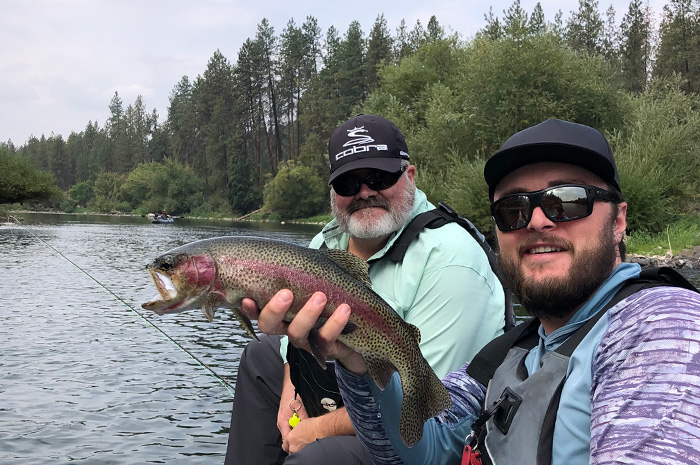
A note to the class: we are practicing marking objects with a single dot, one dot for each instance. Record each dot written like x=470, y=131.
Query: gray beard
x=557, y=298
x=364, y=226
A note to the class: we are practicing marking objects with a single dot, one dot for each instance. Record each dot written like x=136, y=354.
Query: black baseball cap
x=554, y=140
x=366, y=141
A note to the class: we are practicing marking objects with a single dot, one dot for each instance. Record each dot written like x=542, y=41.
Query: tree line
x=253, y=132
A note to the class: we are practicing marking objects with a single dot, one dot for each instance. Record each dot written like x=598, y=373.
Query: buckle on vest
x=508, y=406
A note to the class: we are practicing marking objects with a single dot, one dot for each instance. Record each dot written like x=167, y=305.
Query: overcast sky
x=62, y=60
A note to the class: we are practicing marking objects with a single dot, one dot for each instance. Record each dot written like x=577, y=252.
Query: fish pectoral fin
x=209, y=306
x=349, y=328
x=245, y=322
x=379, y=368
x=208, y=313
x=319, y=347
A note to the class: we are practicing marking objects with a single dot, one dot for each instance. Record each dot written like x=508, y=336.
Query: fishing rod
x=206, y=367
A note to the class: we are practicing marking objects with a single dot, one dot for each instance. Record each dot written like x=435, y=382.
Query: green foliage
x=165, y=186
x=584, y=29
x=678, y=236
x=459, y=103
x=68, y=205
x=677, y=52
x=243, y=195
x=296, y=192
x=231, y=128
x=658, y=156
x=20, y=181
x=107, y=186
x=82, y=193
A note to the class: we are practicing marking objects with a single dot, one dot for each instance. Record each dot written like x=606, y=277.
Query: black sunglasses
x=348, y=185
x=566, y=202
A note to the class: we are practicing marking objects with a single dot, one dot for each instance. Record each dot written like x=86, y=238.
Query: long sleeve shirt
x=641, y=405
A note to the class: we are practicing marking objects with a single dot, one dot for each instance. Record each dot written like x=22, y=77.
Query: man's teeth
x=545, y=249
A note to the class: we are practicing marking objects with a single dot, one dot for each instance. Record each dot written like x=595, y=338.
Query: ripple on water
x=86, y=379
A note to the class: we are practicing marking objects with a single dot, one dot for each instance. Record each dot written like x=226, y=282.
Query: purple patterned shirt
x=645, y=392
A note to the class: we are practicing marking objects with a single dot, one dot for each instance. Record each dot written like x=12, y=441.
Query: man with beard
x=609, y=370
x=444, y=285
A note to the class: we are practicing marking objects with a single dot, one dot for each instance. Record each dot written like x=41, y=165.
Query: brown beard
x=557, y=298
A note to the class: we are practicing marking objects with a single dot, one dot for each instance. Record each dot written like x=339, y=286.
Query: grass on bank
x=682, y=235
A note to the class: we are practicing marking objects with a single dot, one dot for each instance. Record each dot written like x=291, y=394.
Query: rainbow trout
x=220, y=272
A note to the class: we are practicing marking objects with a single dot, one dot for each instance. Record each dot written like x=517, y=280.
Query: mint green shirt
x=444, y=286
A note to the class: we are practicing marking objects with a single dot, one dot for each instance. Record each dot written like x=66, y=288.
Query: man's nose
x=539, y=220
x=365, y=192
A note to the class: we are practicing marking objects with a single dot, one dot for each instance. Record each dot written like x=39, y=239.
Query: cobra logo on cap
x=359, y=136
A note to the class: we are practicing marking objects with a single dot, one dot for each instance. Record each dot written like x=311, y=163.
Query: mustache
x=359, y=204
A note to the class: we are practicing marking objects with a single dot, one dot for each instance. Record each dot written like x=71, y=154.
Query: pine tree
x=584, y=29
x=515, y=21
x=379, y=49
x=266, y=47
x=679, y=43
x=401, y=47
x=537, y=22
x=611, y=38
x=635, y=47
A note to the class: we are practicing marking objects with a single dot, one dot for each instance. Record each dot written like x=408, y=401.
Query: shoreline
x=686, y=258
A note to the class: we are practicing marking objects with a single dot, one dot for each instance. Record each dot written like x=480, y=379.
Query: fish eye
x=166, y=262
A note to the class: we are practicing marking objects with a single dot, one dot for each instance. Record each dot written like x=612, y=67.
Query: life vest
x=520, y=411
x=317, y=387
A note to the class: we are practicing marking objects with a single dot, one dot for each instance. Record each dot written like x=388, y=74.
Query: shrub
x=658, y=156
x=296, y=192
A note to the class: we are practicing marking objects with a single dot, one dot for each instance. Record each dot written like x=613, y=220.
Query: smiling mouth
x=544, y=249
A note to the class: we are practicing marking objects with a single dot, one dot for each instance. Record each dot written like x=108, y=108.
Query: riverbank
x=686, y=258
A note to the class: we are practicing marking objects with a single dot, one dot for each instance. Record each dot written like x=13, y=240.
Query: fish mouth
x=168, y=299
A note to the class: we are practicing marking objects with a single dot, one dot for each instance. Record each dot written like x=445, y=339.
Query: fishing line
x=206, y=367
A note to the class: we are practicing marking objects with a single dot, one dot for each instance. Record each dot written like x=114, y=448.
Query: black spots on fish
x=415, y=332
x=379, y=368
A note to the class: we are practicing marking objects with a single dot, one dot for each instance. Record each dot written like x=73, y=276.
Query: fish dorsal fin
x=354, y=265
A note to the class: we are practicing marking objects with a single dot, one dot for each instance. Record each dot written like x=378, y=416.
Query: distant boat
x=161, y=219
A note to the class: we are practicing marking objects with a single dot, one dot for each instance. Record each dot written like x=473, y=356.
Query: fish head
x=183, y=280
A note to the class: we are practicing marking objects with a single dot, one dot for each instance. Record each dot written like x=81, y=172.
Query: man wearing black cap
x=608, y=370
x=444, y=285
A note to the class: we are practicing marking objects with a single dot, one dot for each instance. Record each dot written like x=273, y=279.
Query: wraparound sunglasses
x=347, y=184
x=566, y=202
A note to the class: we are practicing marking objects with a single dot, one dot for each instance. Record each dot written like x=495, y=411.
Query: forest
x=250, y=133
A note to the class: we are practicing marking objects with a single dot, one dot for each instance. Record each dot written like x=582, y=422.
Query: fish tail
x=424, y=397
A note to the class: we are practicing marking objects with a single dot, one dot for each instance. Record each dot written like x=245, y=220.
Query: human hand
x=304, y=433
x=288, y=407
x=271, y=321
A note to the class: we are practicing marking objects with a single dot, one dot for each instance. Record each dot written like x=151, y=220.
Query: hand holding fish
x=222, y=272
x=271, y=321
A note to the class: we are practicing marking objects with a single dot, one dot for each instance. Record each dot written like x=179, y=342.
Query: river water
x=84, y=377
